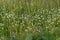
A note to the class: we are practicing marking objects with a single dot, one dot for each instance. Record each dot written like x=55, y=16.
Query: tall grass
x=29, y=19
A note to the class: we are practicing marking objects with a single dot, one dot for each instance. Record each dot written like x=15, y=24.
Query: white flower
x=9, y=15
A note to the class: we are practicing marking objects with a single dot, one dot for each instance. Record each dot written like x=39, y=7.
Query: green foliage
x=29, y=19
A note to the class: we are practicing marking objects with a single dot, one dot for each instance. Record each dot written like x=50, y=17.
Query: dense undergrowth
x=29, y=19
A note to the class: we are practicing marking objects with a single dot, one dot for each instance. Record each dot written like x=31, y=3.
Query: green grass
x=29, y=19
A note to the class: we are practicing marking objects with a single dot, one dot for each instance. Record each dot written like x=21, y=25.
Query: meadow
x=29, y=19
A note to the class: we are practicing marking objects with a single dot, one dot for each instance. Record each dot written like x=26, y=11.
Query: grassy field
x=29, y=19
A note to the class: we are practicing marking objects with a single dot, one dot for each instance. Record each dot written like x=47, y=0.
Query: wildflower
x=9, y=15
